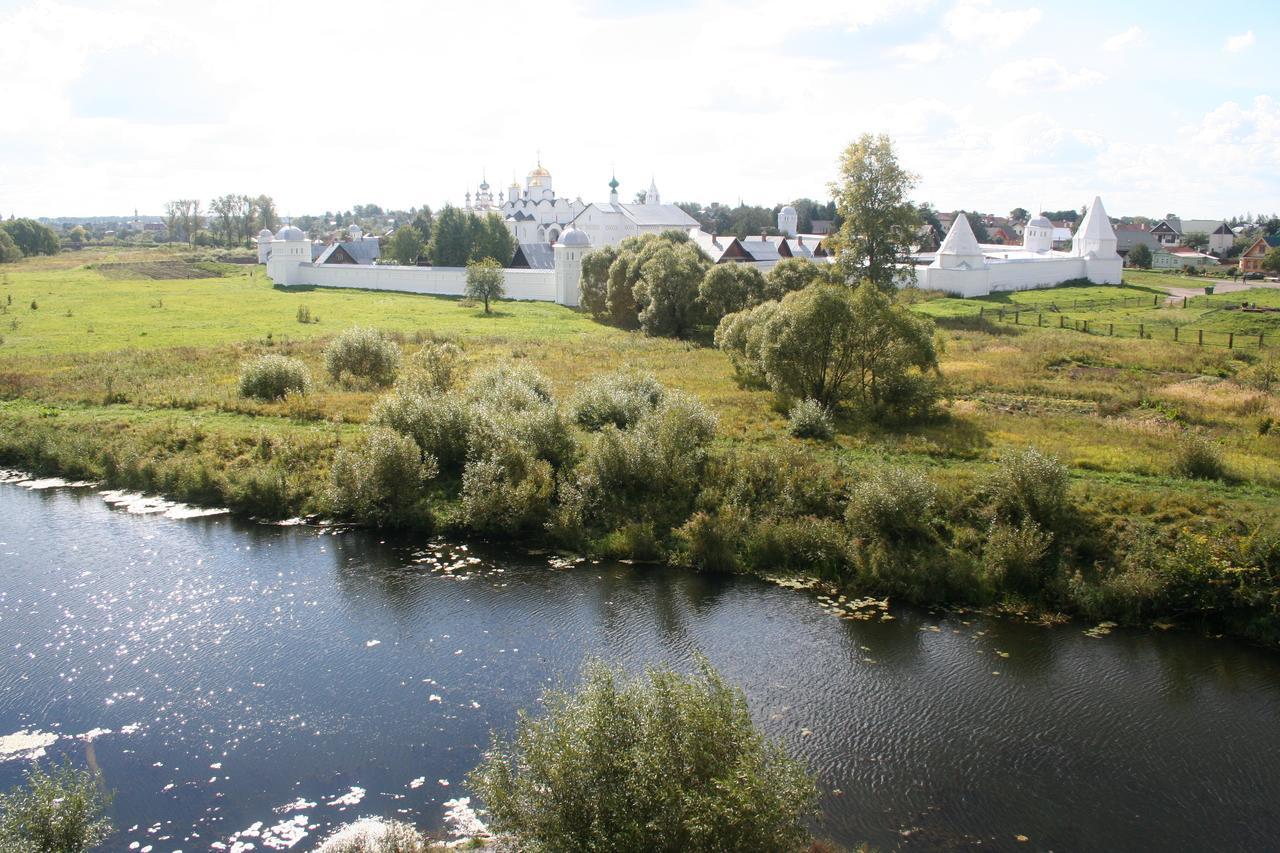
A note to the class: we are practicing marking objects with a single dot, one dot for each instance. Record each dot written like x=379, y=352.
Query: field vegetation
x=1116, y=478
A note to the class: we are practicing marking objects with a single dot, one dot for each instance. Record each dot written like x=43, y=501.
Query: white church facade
x=965, y=267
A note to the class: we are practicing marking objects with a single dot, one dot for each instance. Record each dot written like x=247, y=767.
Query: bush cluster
x=1197, y=459
x=381, y=480
x=810, y=419
x=620, y=398
x=271, y=377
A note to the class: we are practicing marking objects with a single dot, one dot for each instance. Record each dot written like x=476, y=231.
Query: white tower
x=354, y=234
x=1038, y=235
x=788, y=221
x=568, y=251
x=1095, y=235
x=613, y=190
x=264, y=245
x=290, y=249
x=960, y=250
x=652, y=197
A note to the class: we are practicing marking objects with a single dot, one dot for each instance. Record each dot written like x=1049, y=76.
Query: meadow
x=109, y=372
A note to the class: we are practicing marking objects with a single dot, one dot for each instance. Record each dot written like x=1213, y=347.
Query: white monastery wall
x=536, y=285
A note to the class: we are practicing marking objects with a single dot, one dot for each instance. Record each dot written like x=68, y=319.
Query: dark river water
x=224, y=674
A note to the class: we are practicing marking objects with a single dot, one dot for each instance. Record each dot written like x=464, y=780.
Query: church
x=533, y=214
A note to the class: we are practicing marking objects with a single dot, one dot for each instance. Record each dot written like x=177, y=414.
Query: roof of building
x=1040, y=221
x=960, y=239
x=290, y=232
x=1205, y=226
x=573, y=237
x=534, y=256
x=1096, y=225
x=647, y=214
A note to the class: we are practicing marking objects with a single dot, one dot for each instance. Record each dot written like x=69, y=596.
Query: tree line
x=21, y=238
x=229, y=220
x=453, y=238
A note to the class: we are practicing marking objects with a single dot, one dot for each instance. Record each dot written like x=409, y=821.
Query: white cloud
x=981, y=22
x=1119, y=40
x=919, y=52
x=1240, y=43
x=1031, y=77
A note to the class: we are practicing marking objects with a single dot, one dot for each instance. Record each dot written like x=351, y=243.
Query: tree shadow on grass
x=943, y=435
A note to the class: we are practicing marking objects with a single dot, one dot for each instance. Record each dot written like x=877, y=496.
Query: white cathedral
x=536, y=215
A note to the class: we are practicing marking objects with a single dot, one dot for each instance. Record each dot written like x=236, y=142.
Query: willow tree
x=880, y=222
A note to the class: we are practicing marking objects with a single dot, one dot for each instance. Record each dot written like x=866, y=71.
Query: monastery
x=553, y=233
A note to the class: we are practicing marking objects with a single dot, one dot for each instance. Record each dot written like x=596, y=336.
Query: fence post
x=981, y=308
x=1040, y=322
x=1142, y=331
x=1001, y=318
x=1231, y=340
x=1086, y=327
x=1184, y=302
x=1155, y=301
x=1062, y=321
x=1260, y=340
x=1017, y=318
x=1175, y=334
x=1200, y=334
x=1111, y=329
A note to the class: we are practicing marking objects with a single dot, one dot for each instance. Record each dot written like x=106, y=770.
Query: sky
x=112, y=105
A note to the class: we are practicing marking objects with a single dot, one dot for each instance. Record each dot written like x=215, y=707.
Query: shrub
x=509, y=387
x=440, y=424
x=1028, y=484
x=506, y=490
x=783, y=482
x=1013, y=557
x=893, y=505
x=709, y=541
x=664, y=761
x=809, y=419
x=485, y=281
x=432, y=369
x=666, y=295
x=60, y=811
x=364, y=354
x=375, y=835
x=271, y=377
x=727, y=288
x=304, y=314
x=1197, y=459
x=817, y=546
x=380, y=482
x=620, y=398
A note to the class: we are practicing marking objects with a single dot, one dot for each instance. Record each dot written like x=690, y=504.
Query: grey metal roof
x=655, y=214
x=1205, y=226
x=534, y=256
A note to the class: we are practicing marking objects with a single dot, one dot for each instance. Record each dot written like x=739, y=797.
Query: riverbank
x=133, y=383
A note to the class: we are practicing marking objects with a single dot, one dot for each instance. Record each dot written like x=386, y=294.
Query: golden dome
x=539, y=172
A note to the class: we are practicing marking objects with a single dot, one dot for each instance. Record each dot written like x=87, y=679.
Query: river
x=228, y=676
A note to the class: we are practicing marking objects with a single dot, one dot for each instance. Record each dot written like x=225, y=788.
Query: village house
x=1173, y=231
x=1177, y=257
x=1251, y=258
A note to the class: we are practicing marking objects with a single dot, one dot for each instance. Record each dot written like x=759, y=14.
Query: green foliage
x=666, y=295
x=363, y=354
x=789, y=275
x=57, y=811
x=1013, y=556
x=31, y=237
x=620, y=398
x=1028, y=485
x=806, y=544
x=1139, y=256
x=381, y=480
x=595, y=281
x=440, y=424
x=373, y=835
x=880, y=222
x=506, y=489
x=709, y=541
x=491, y=240
x=662, y=762
x=1197, y=459
x=432, y=369
x=741, y=336
x=828, y=344
x=485, y=281
x=9, y=251
x=271, y=377
x=777, y=482
x=1271, y=261
x=451, y=237
x=406, y=245
x=809, y=419
x=727, y=288
x=894, y=506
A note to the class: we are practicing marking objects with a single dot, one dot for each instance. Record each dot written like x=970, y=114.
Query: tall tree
x=492, y=239
x=1140, y=257
x=172, y=218
x=266, y=209
x=405, y=245
x=31, y=237
x=880, y=221
x=451, y=238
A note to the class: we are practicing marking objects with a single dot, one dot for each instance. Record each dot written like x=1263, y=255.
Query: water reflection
x=263, y=666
